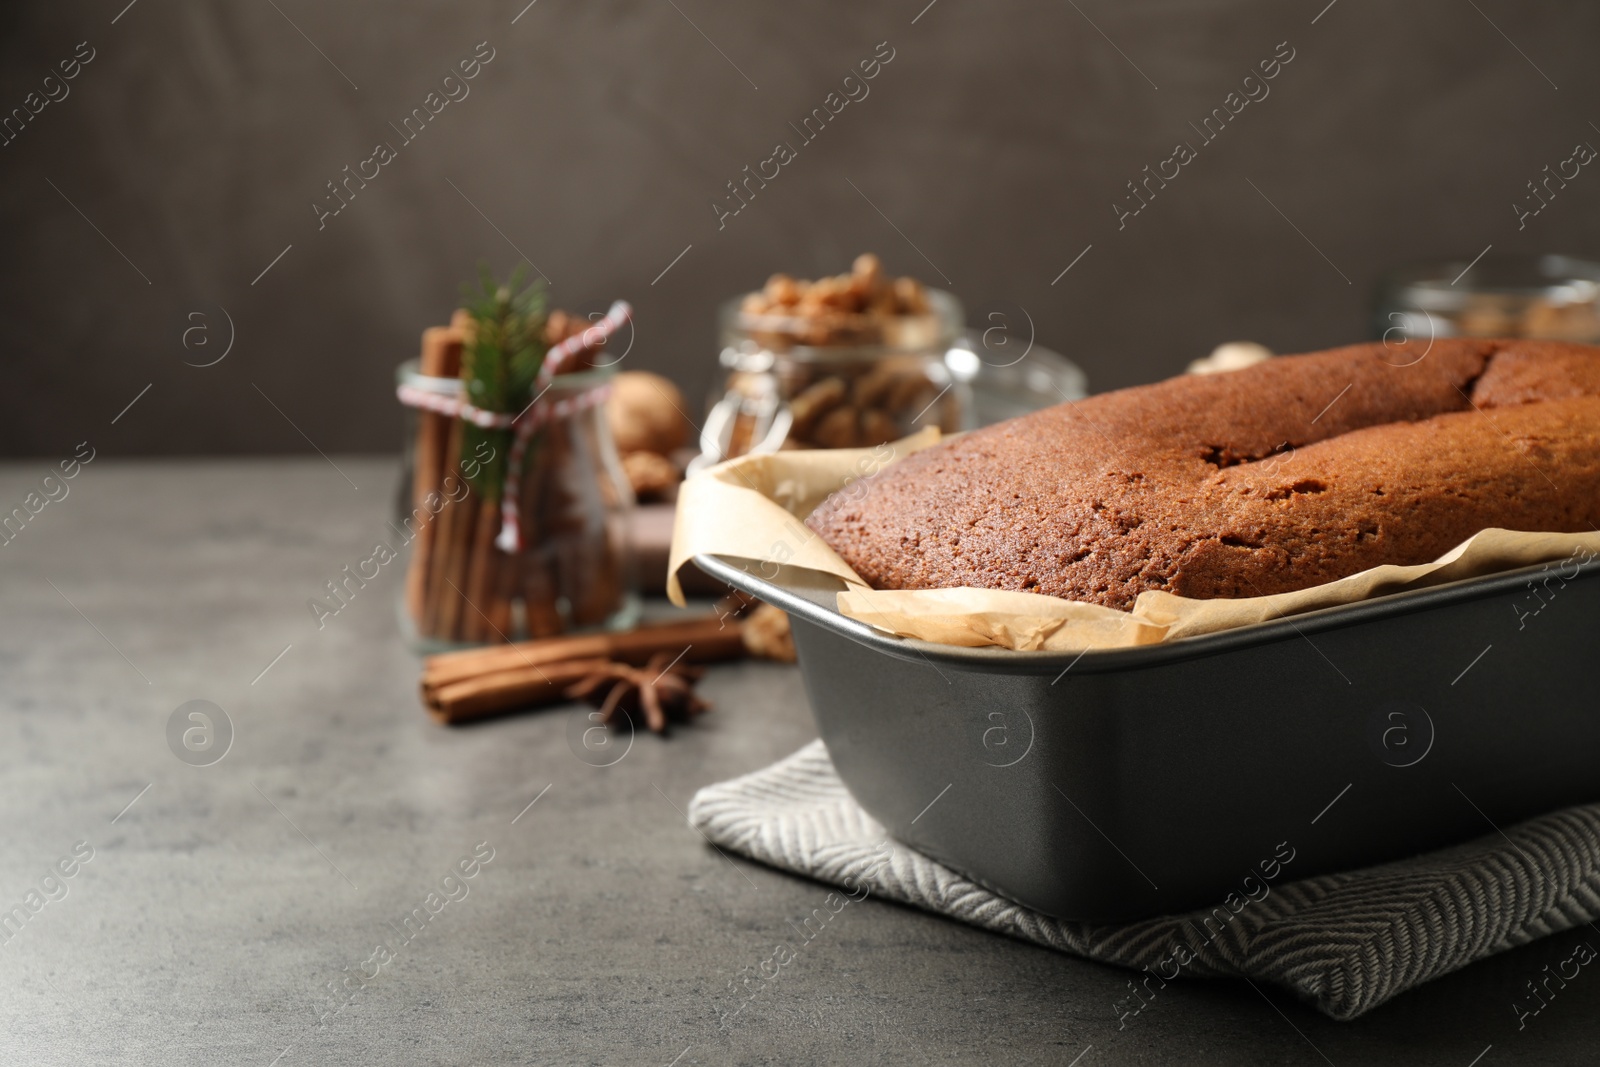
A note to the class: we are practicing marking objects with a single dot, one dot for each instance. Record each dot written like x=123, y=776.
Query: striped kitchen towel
x=1343, y=942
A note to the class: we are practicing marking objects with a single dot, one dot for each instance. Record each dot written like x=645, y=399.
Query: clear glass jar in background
x=1550, y=297
x=858, y=381
x=1006, y=376
x=576, y=570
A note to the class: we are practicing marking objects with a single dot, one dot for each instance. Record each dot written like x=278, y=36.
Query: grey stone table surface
x=230, y=913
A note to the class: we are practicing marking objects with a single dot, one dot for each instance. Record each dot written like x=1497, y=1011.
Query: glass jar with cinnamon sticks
x=516, y=501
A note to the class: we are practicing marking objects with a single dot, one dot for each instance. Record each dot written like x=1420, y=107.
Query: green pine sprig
x=500, y=366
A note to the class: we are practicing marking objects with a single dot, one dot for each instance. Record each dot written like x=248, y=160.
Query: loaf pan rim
x=1008, y=661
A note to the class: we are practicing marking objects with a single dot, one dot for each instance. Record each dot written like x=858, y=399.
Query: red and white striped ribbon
x=451, y=404
x=559, y=360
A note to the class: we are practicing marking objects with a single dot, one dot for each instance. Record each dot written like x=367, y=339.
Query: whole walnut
x=646, y=413
x=767, y=635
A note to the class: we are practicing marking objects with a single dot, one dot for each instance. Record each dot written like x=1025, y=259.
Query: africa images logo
x=1400, y=733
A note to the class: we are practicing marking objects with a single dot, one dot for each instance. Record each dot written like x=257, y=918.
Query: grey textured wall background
x=996, y=140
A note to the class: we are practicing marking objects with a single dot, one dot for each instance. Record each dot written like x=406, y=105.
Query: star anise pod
x=662, y=689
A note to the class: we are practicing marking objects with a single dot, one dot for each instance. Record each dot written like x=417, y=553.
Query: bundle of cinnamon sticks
x=448, y=574
x=461, y=588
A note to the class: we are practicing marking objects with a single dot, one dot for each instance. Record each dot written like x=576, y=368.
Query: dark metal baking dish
x=1117, y=784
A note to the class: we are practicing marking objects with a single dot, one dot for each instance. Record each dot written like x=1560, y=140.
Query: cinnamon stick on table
x=490, y=694
x=459, y=686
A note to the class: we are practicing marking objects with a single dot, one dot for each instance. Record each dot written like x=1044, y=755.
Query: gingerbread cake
x=1277, y=477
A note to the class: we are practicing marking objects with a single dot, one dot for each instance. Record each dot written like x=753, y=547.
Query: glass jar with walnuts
x=848, y=361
